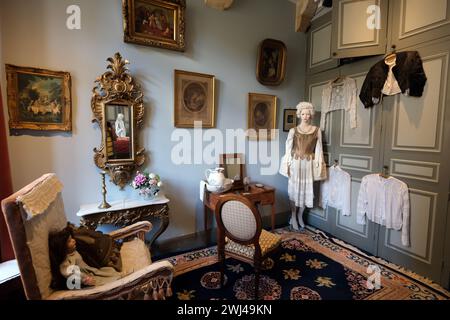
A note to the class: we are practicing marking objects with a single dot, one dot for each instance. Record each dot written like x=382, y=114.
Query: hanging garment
x=408, y=72
x=391, y=86
x=340, y=97
x=303, y=164
x=384, y=201
x=336, y=190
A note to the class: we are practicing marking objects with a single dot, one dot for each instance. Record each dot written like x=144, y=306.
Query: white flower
x=159, y=184
x=152, y=176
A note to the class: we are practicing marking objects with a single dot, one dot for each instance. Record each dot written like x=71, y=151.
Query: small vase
x=148, y=196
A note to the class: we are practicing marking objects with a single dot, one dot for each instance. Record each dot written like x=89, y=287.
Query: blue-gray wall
x=34, y=33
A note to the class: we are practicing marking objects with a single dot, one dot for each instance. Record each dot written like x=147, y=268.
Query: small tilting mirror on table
x=233, y=163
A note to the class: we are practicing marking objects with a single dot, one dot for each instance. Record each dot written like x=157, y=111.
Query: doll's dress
x=102, y=275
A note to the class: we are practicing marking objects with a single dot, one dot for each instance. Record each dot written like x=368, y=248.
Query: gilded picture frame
x=262, y=116
x=38, y=99
x=271, y=63
x=157, y=23
x=290, y=119
x=194, y=99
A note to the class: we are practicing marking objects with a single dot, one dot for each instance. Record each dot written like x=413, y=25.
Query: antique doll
x=68, y=266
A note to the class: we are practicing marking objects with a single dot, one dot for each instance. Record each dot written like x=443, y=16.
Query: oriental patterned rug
x=308, y=266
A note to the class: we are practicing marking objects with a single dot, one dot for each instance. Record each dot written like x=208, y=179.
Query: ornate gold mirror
x=117, y=105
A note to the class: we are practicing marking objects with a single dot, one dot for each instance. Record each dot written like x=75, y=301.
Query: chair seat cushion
x=267, y=241
x=135, y=256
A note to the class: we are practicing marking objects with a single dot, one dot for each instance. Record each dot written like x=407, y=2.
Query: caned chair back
x=239, y=219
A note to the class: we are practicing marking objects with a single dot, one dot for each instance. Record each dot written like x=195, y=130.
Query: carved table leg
x=162, y=228
x=272, y=216
x=205, y=217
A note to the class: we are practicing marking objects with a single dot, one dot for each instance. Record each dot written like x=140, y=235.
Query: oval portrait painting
x=194, y=97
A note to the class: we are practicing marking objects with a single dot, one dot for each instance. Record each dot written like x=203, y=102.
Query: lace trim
x=38, y=199
x=303, y=157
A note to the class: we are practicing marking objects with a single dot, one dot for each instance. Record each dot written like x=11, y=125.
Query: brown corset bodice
x=304, y=145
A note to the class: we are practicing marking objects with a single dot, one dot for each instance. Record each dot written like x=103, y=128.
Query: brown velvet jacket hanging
x=408, y=72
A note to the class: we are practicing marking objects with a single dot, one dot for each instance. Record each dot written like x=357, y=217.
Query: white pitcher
x=215, y=177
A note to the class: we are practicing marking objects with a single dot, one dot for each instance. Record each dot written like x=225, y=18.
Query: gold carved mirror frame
x=117, y=106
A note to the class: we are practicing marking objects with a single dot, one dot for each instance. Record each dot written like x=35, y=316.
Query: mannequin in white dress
x=303, y=163
x=120, y=126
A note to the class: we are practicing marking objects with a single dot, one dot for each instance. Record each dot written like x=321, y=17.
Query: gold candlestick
x=104, y=204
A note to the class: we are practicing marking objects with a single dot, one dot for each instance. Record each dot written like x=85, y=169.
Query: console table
x=126, y=212
x=259, y=196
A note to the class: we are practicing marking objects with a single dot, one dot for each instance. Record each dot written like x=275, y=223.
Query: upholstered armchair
x=38, y=209
x=240, y=234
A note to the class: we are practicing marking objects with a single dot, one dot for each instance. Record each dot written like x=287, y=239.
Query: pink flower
x=139, y=180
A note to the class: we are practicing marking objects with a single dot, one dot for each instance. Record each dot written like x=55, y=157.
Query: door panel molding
x=439, y=115
x=443, y=20
x=412, y=170
x=316, y=212
x=429, y=235
x=358, y=163
x=312, y=47
x=372, y=40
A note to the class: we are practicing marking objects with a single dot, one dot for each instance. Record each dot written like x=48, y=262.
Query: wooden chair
x=240, y=234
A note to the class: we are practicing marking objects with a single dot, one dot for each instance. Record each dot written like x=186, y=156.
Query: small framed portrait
x=157, y=23
x=194, y=99
x=38, y=99
x=289, y=119
x=262, y=116
x=271, y=64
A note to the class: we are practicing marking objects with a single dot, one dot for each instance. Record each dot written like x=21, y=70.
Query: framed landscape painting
x=194, y=99
x=38, y=99
x=157, y=23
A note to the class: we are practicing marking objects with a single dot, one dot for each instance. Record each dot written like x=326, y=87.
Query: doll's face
x=71, y=245
x=305, y=115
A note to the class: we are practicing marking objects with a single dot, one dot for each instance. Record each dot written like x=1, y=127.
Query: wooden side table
x=123, y=213
x=259, y=196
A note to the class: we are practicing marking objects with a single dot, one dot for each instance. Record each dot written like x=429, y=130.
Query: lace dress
x=305, y=164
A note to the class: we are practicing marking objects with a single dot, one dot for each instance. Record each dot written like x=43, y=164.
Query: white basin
x=220, y=189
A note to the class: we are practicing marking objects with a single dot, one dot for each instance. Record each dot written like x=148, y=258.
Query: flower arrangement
x=148, y=184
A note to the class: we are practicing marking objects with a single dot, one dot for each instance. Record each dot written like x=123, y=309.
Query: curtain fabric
x=6, y=251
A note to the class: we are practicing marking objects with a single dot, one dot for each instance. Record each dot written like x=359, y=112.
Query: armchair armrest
x=139, y=228
x=153, y=282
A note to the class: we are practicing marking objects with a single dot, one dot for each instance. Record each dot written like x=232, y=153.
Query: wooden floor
x=202, y=239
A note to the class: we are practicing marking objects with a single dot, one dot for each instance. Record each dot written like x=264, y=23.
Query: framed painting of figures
x=271, y=63
x=157, y=23
x=262, y=116
x=38, y=99
x=194, y=99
